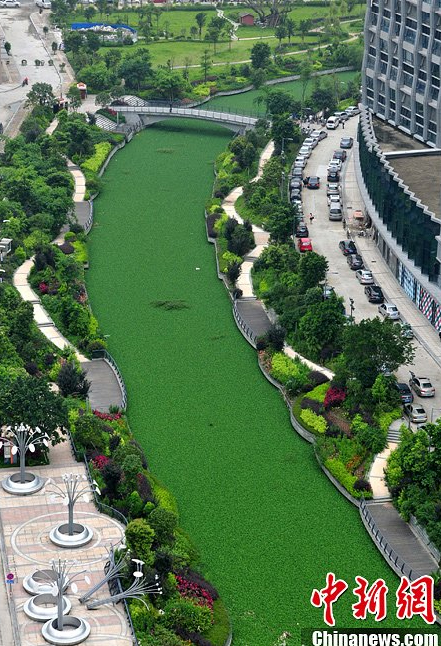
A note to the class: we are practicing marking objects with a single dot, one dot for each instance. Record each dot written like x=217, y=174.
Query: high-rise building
x=401, y=70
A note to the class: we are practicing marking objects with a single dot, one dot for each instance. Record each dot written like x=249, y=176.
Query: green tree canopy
x=260, y=55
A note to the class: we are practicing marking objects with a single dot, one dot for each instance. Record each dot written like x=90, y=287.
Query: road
x=23, y=29
x=326, y=236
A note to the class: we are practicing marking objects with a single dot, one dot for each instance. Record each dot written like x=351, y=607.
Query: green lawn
x=268, y=523
x=247, y=100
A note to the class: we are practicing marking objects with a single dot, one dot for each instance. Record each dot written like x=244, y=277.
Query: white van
x=332, y=123
x=44, y=4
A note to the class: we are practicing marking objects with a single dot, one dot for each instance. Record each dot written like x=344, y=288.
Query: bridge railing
x=207, y=107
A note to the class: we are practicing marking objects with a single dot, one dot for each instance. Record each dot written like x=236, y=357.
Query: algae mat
x=268, y=524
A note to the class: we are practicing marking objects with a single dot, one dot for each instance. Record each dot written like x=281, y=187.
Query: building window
x=420, y=87
x=407, y=79
x=385, y=24
x=393, y=74
x=434, y=94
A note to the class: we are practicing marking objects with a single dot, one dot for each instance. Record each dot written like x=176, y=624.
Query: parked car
x=304, y=244
x=404, y=392
x=297, y=183
x=332, y=123
x=295, y=194
x=310, y=141
x=364, y=277
x=355, y=261
x=346, y=142
x=296, y=171
x=333, y=188
x=347, y=247
x=313, y=182
x=302, y=230
x=334, y=164
x=406, y=330
x=300, y=162
x=44, y=4
x=334, y=199
x=297, y=204
x=318, y=134
x=343, y=116
x=421, y=385
x=328, y=291
x=352, y=110
x=340, y=154
x=416, y=413
x=389, y=311
x=9, y=3
x=374, y=294
x=305, y=151
x=333, y=175
x=335, y=212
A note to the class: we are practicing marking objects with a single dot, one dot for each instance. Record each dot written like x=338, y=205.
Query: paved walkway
x=26, y=523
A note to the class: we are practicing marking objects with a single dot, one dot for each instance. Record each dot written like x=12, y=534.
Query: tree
x=89, y=13
x=278, y=102
x=282, y=128
x=304, y=27
x=93, y=42
x=260, y=55
x=111, y=58
x=206, y=62
x=45, y=30
x=305, y=76
x=194, y=31
x=72, y=381
x=74, y=96
x=40, y=94
x=213, y=35
x=169, y=84
x=290, y=28
x=281, y=33
x=201, y=19
x=103, y=99
x=372, y=347
x=323, y=99
x=321, y=327
x=272, y=12
x=157, y=12
x=139, y=537
x=280, y=223
x=101, y=6
x=29, y=400
x=54, y=47
x=312, y=270
x=7, y=47
x=80, y=140
x=73, y=41
x=134, y=71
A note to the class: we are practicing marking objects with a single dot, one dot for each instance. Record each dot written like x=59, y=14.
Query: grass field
x=268, y=523
x=247, y=100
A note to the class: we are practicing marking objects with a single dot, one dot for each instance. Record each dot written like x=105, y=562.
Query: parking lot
x=326, y=235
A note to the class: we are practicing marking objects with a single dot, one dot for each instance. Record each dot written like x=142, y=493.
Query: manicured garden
x=267, y=522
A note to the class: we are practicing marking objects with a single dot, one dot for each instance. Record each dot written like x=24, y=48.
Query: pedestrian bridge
x=153, y=114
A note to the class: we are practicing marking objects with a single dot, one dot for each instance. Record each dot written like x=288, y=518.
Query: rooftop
x=421, y=173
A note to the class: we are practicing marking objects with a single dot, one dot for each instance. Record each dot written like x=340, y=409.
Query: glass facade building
x=401, y=69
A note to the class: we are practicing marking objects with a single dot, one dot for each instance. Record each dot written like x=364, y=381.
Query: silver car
x=364, y=277
x=416, y=413
x=389, y=311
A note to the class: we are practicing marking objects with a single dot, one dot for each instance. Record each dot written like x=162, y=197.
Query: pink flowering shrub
x=100, y=462
x=108, y=417
x=44, y=288
x=334, y=397
x=195, y=592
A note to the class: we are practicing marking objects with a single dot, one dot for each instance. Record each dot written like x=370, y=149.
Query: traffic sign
x=10, y=578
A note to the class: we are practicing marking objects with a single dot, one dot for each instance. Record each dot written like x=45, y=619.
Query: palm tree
x=193, y=31
x=290, y=28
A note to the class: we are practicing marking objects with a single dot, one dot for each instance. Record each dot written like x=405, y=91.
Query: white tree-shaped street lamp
x=73, y=488
x=139, y=588
x=116, y=564
x=23, y=438
x=61, y=629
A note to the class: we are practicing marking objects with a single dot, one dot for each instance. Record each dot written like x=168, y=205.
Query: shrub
x=312, y=404
x=283, y=368
x=95, y=162
x=276, y=337
x=340, y=473
x=131, y=467
x=195, y=578
x=233, y=272
x=362, y=485
x=317, y=378
x=72, y=381
x=89, y=434
x=139, y=537
x=384, y=420
x=163, y=496
x=318, y=394
x=185, y=615
x=261, y=343
x=144, y=488
x=164, y=523
x=100, y=461
x=334, y=397
x=112, y=474
x=135, y=504
x=316, y=422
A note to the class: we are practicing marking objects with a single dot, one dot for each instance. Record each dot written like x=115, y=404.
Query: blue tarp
x=88, y=25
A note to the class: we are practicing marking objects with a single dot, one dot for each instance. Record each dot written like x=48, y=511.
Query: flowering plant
x=195, y=592
x=108, y=417
x=334, y=397
x=100, y=462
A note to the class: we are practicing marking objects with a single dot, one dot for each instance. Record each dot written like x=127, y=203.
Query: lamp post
x=116, y=564
x=2, y=271
x=282, y=152
x=352, y=308
x=74, y=487
x=137, y=590
x=23, y=438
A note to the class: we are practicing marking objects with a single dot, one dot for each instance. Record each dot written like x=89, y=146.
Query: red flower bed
x=108, y=417
x=43, y=288
x=195, y=592
x=100, y=462
x=334, y=397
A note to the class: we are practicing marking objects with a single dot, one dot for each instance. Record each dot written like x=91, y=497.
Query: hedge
x=95, y=162
x=314, y=421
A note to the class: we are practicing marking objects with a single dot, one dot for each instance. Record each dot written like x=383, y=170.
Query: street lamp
x=23, y=438
x=352, y=308
x=282, y=153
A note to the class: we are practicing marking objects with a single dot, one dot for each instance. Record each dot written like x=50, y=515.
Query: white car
x=305, y=151
x=334, y=199
x=352, y=110
x=300, y=162
x=364, y=277
x=389, y=311
x=333, y=188
x=9, y=3
x=416, y=413
x=335, y=163
x=311, y=142
x=44, y=4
